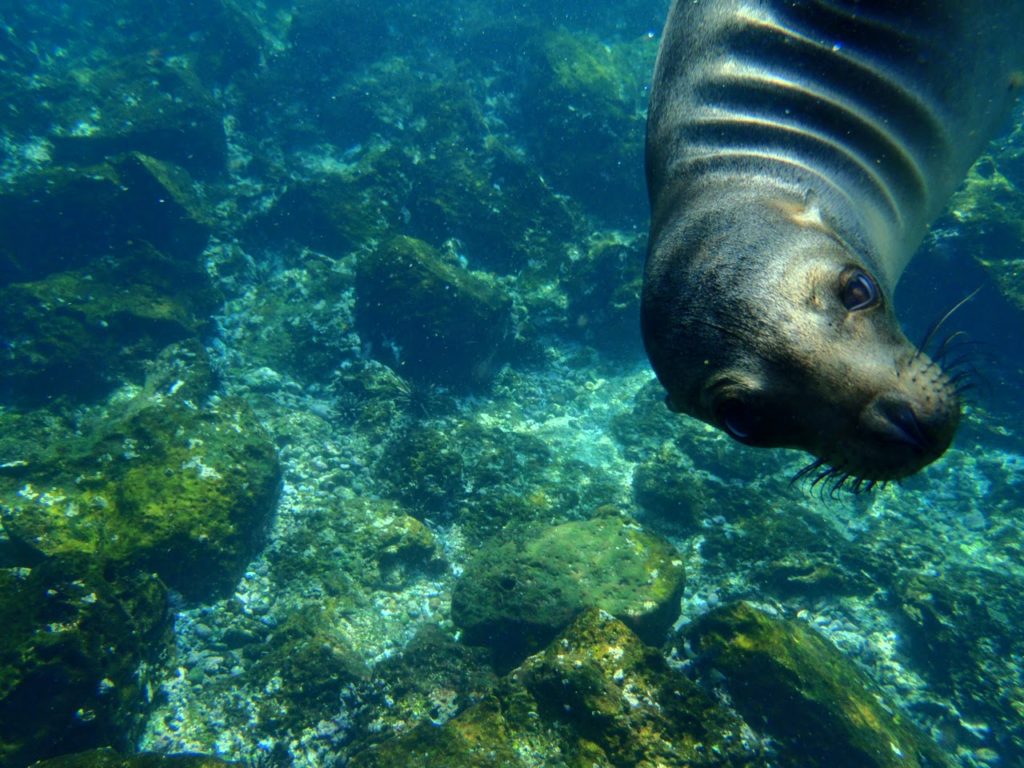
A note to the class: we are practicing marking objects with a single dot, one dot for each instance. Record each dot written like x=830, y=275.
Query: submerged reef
x=515, y=595
x=326, y=435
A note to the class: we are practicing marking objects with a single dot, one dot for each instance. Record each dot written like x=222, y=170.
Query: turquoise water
x=324, y=417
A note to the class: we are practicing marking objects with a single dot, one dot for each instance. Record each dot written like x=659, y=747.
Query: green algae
x=76, y=333
x=76, y=652
x=355, y=545
x=596, y=696
x=818, y=704
x=62, y=218
x=302, y=670
x=108, y=758
x=453, y=322
x=160, y=485
x=585, y=92
x=515, y=595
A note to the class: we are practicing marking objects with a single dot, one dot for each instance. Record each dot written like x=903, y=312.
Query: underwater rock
x=108, y=758
x=453, y=323
x=989, y=214
x=77, y=333
x=962, y=627
x=435, y=169
x=602, y=284
x=434, y=678
x=140, y=104
x=615, y=693
x=334, y=213
x=583, y=110
x=372, y=543
x=478, y=738
x=75, y=653
x=303, y=668
x=155, y=483
x=597, y=696
x=232, y=44
x=802, y=691
x=516, y=595
x=61, y=218
x=300, y=322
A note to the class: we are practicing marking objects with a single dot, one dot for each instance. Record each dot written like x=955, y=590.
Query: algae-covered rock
x=74, y=636
x=962, y=630
x=819, y=706
x=597, y=696
x=62, y=218
x=373, y=543
x=608, y=688
x=988, y=210
x=583, y=112
x=108, y=758
x=306, y=664
x=603, y=289
x=300, y=322
x=436, y=170
x=77, y=333
x=334, y=213
x=516, y=595
x=433, y=679
x=452, y=323
x=158, y=484
x=479, y=738
x=140, y=104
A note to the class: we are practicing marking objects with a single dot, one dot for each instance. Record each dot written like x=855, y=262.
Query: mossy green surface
x=477, y=739
x=453, y=322
x=989, y=207
x=357, y=544
x=75, y=634
x=161, y=485
x=140, y=103
x=108, y=758
x=583, y=91
x=303, y=669
x=77, y=334
x=596, y=696
x=821, y=708
x=515, y=595
x=62, y=218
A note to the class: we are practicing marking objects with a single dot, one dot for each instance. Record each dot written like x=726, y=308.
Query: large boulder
x=157, y=484
x=597, y=696
x=63, y=218
x=140, y=104
x=814, y=701
x=79, y=333
x=428, y=317
x=516, y=595
x=77, y=650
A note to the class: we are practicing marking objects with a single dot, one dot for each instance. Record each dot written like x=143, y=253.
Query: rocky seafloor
x=326, y=437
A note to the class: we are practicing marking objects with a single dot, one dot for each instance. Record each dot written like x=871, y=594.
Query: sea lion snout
x=906, y=435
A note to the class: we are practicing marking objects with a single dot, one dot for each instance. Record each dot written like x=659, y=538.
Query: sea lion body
x=796, y=153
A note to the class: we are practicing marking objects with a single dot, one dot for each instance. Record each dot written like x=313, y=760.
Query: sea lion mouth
x=901, y=431
x=895, y=436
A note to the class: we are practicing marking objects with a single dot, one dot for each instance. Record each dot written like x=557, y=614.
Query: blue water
x=406, y=239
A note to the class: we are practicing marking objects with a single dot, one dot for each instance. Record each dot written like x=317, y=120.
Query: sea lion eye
x=737, y=418
x=859, y=290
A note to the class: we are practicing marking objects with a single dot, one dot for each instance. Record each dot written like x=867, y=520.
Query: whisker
x=831, y=481
x=806, y=470
x=955, y=340
x=934, y=328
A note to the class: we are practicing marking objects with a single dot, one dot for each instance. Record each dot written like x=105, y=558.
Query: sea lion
x=796, y=153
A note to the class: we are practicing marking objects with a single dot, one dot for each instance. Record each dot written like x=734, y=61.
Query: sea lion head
x=766, y=324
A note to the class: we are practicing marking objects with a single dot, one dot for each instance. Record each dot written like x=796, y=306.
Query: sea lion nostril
x=903, y=425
